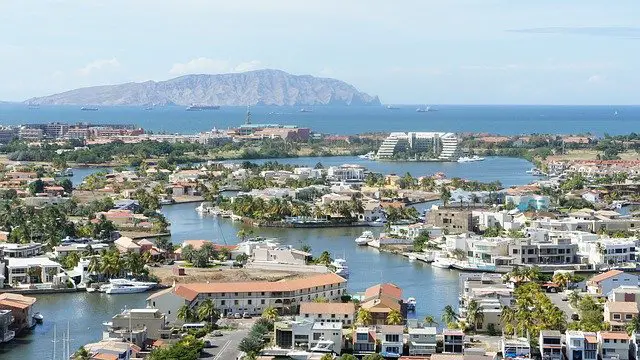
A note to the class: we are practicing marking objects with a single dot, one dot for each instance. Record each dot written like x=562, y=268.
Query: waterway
x=432, y=287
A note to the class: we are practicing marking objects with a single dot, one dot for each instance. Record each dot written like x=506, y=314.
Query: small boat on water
x=411, y=304
x=371, y=155
x=377, y=223
x=89, y=108
x=125, y=286
x=442, y=262
x=365, y=238
x=235, y=217
x=424, y=109
x=305, y=110
x=341, y=267
x=391, y=107
x=38, y=318
x=91, y=289
x=536, y=172
x=412, y=258
x=474, y=158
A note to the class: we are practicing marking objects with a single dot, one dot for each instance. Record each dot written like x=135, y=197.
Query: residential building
x=112, y=350
x=450, y=219
x=581, y=345
x=515, y=347
x=137, y=325
x=6, y=319
x=300, y=332
x=364, y=341
x=281, y=255
x=343, y=313
x=126, y=245
x=347, y=173
x=550, y=343
x=250, y=297
x=484, y=250
x=502, y=219
x=602, y=284
x=32, y=270
x=453, y=341
x=619, y=314
x=625, y=293
x=635, y=345
x=613, y=345
x=490, y=293
x=372, y=211
x=612, y=251
x=526, y=202
x=391, y=340
x=21, y=308
x=381, y=300
x=422, y=341
x=557, y=251
x=198, y=244
x=438, y=145
x=14, y=250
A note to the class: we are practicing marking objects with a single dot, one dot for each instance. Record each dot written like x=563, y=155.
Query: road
x=563, y=305
x=225, y=347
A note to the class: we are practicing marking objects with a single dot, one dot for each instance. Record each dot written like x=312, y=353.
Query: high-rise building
x=439, y=145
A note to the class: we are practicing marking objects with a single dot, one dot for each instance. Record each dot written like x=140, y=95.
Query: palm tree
x=475, y=316
x=185, y=313
x=82, y=354
x=429, y=320
x=449, y=316
x=270, y=313
x=574, y=298
x=445, y=194
x=207, y=311
x=94, y=265
x=508, y=317
x=363, y=317
x=394, y=318
x=562, y=279
x=324, y=258
x=134, y=263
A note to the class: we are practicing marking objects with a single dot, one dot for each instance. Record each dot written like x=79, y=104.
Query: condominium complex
x=440, y=145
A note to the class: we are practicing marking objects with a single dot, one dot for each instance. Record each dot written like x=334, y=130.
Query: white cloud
x=98, y=65
x=596, y=79
x=212, y=66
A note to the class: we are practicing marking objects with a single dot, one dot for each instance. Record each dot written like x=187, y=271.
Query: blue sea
x=501, y=119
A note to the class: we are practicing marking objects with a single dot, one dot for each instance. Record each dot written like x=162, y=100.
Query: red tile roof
x=388, y=289
x=604, y=276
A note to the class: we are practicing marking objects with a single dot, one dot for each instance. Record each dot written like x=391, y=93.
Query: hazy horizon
x=459, y=52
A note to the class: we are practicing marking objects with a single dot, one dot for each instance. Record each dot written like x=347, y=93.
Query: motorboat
x=124, y=286
x=466, y=159
x=442, y=262
x=371, y=155
x=536, y=172
x=365, y=238
x=391, y=107
x=411, y=304
x=91, y=289
x=377, y=223
x=38, y=318
x=412, y=258
x=235, y=217
x=299, y=355
x=166, y=201
x=341, y=267
x=424, y=109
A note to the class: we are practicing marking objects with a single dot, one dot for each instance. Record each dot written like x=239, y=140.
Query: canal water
x=432, y=287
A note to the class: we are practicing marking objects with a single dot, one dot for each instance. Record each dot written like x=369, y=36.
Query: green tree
x=363, y=317
x=394, y=318
x=36, y=187
x=270, y=313
x=324, y=258
x=207, y=311
x=430, y=320
x=445, y=194
x=81, y=354
x=475, y=316
x=373, y=357
x=185, y=313
x=449, y=315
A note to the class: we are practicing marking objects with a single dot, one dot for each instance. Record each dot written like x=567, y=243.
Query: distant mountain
x=263, y=87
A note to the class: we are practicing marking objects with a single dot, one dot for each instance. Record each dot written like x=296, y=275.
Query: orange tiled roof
x=606, y=275
x=327, y=308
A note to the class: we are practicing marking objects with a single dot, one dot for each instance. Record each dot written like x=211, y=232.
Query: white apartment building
x=281, y=255
x=347, y=173
x=391, y=340
x=19, y=270
x=13, y=250
x=490, y=293
x=487, y=219
x=443, y=146
x=422, y=341
x=302, y=332
x=611, y=251
x=581, y=345
x=343, y=313
x=487, y=250
x=513, y=348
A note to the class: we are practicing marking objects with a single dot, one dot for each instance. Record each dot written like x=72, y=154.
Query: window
x=249, y=294
x=248, y=302
x=515, y=251
x=616, y=317
x=628, y=316
x=392, y=338
x=235, y=302
x=262, y=302
x=223, y=294
x=333, y=316
x=236, y=294
x=306, y=315
x=362, y=337
x=222, y=302
x=262, y=293
x=317, y=336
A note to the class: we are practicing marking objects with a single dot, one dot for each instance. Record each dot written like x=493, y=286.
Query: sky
x=405, y=51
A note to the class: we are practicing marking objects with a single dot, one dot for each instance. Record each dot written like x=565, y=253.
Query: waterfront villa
x=526, y=202
x=422, y=341
x=6, y=319
x=13, y=250
x=347, y=173
x=550, y=342
x=380, y=300
x=491, y=295
x=32, y=270
x=251, y=297
x=613, y=345
x=450, y=219
x=364, y=341
x=581, y=345
x=138, y=326
x=291, y=334
x=391, y=340
x=453, y=341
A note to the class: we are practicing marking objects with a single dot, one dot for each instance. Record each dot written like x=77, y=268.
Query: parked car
x=208, y=344
x=237, y=316
x=217, y=333
x=246, y=315
x=230, y=316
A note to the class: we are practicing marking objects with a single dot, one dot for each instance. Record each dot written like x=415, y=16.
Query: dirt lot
x=219, y=274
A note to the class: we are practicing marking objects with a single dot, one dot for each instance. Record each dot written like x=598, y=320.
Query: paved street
x=225, y=347
x=563, y=305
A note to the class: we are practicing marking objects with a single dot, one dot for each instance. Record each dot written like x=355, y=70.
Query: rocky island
x=260, y=87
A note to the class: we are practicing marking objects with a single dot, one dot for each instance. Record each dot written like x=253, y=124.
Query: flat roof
x=32, y=261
